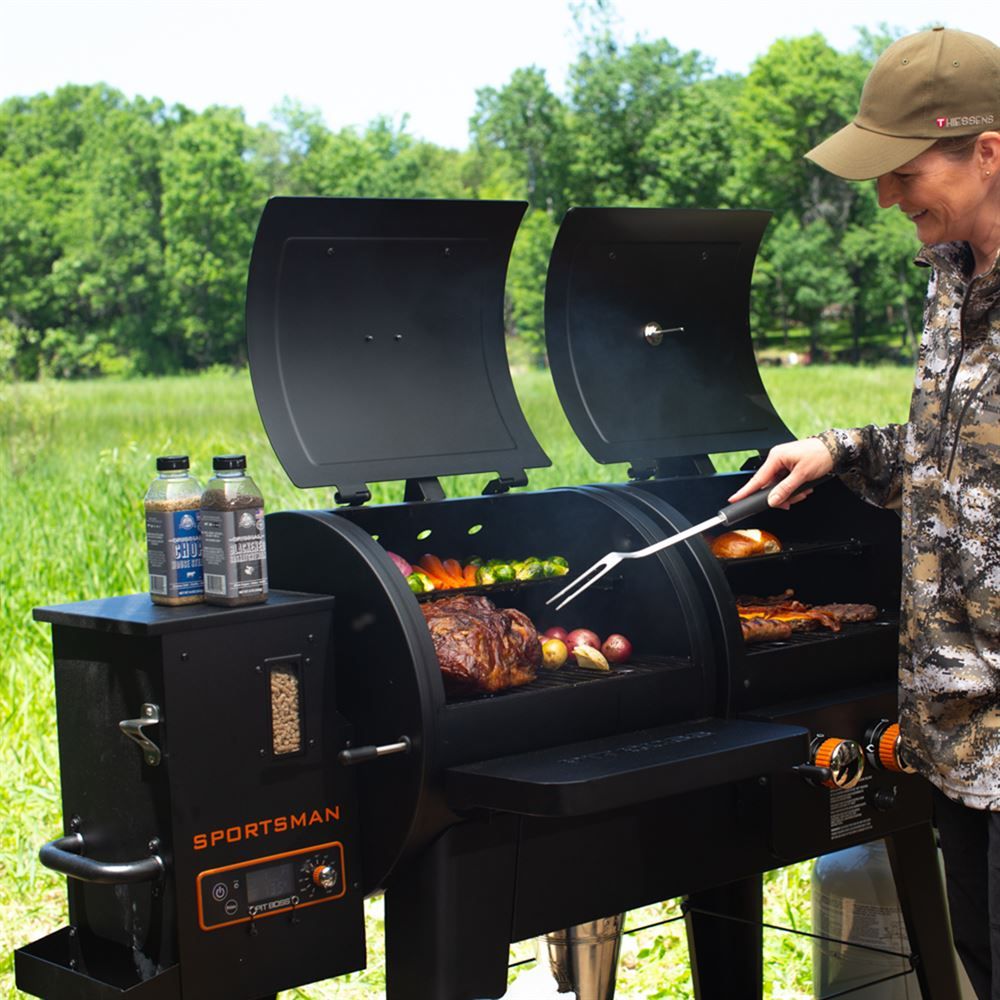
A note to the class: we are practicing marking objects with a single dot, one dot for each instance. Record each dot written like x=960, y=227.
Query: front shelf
x=617, y=771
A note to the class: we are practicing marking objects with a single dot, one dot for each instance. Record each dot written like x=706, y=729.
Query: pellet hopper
x=309, y=751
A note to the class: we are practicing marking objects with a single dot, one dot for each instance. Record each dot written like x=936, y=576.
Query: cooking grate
x=822, y=635
x=574, y=676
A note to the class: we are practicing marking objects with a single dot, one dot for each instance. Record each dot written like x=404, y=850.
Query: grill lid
x=376, y=341
x=648, y=336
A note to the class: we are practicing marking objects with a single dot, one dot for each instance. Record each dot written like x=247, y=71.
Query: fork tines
x=574, y=589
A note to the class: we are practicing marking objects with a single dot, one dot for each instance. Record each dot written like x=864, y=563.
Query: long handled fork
x=756, y=503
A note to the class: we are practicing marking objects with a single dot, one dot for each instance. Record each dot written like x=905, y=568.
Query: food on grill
x=764, y=630
x=616, y=648
x=593, y=659
x=482, y=648
x=784, y=610
x=554, y=653
x=582, y=637
x=401, y=564
x=744, y=542
x=556, y=632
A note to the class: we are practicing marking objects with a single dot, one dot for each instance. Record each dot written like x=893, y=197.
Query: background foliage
x=126, y=225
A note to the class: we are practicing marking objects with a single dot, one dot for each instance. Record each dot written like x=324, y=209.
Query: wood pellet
x=286, y=721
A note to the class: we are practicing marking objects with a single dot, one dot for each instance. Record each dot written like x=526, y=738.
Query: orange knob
x=844, y=759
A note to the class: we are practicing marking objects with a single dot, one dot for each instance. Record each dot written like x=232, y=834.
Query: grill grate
x=822, y=635
x=568, y=677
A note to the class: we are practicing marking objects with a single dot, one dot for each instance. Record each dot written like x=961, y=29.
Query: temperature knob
x=325, y=876
x=844, y=759
x=884, y=748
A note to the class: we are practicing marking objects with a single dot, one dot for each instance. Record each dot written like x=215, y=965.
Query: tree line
x=126, y=225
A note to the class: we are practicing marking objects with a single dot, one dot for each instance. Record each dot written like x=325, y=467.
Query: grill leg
x=920, y=888
x=727, y=961
x=448, y=918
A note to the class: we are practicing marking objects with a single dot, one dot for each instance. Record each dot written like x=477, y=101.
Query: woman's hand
x=789, y=466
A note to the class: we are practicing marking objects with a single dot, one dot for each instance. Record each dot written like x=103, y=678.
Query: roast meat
x=482, y=648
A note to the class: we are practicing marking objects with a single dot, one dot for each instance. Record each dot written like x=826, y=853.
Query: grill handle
x=756, y=503
x=360, y=755
x=65, y=855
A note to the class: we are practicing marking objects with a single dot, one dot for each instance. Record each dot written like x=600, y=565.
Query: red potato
x=556, y=632
x=616, y=649
x=401, y=564
x=582, y=637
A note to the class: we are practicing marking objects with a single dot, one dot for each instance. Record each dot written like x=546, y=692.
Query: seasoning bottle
x=173, y=542
x=234, y=557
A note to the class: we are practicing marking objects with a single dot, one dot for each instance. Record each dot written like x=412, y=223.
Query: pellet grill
x=225, y=771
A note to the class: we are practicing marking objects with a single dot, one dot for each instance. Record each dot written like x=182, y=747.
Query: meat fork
x=756, y=503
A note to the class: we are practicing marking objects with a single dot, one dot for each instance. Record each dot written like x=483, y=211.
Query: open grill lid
x=646, y=323
x=376, y=341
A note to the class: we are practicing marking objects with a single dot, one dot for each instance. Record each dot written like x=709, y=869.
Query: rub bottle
x=232, y=532
x=173, y=543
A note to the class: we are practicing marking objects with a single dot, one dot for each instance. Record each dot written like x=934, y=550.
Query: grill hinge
x=353, y=496
x=504, y=483
x=668, y=468
x=417, y=490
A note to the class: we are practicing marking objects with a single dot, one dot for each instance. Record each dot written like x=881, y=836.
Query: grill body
x=500, y=817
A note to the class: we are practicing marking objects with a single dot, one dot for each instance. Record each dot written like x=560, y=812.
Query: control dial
x=884, y=748
x=325, y=876
x=844, y=759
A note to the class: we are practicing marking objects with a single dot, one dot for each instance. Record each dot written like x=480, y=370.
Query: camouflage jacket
x=944, y=467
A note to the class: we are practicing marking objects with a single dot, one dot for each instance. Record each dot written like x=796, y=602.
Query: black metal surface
x=584, y=778
x=375, y=331
x=613, y=271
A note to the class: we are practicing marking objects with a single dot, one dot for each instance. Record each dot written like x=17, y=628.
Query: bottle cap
x=171, y=463
x=229, y=462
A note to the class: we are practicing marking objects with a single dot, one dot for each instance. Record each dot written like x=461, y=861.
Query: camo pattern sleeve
x=869, y=460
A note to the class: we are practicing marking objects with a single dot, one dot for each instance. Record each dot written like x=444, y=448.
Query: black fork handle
x=756, y=503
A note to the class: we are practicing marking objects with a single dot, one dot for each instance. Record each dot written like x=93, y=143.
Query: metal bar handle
x=359, y=755
x=65, y=855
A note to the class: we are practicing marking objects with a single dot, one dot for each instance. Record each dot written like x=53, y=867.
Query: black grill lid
x=613, y=273
x=376, y=340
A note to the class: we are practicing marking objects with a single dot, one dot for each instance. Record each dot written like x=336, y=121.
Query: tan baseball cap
x=928, y=86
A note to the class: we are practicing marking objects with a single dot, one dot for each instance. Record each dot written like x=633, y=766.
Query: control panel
x=265, y=887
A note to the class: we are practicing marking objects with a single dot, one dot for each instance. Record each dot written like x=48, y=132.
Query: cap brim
x=859, y=154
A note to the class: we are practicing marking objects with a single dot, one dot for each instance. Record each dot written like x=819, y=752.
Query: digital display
x=270, y=883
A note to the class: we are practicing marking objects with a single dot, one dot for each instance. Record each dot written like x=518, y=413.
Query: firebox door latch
x=133, y=729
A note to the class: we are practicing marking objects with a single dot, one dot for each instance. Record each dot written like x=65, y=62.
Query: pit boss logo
x=265, y=827
x=960, y=121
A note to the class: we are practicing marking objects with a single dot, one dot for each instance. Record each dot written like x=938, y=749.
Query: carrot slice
x=454, y=570
x=435, y=570
x=469, y=574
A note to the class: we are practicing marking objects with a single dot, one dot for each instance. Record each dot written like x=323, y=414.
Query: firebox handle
x=359, y=755
x=65, y=855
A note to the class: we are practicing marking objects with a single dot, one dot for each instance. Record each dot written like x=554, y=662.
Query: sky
x=353, y=60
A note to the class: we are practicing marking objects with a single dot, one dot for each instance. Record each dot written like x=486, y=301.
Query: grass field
x=75, y=460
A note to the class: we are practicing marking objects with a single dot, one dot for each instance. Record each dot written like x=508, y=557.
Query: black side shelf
x=617, y=771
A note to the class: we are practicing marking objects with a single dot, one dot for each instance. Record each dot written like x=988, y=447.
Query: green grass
x=75, y=460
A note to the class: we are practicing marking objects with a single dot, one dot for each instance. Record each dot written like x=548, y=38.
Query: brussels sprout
x=531, y=569
x=475, y=561
x=551, y=568
x=505, y=573
x=419, y=583
x=485, y=577
x=559, y=561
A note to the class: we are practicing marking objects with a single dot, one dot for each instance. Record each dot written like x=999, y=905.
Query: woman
x=924, y=130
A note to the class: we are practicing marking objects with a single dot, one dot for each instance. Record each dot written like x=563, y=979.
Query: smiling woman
x=940, y=468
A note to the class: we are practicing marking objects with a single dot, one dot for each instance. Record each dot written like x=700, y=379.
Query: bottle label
x=233, y=553
x=173, y=551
